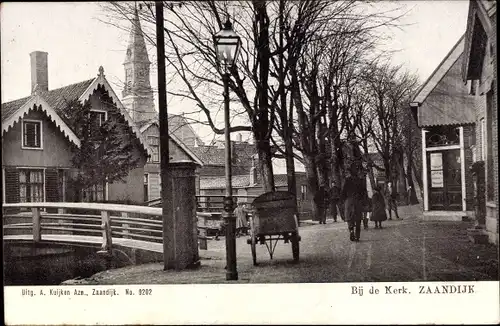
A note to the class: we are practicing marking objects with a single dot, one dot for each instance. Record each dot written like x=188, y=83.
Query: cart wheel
x=254, y=250
x=295, y=247
x=253, y=242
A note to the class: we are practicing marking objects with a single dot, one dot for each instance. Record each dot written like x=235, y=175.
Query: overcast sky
x=78, y=43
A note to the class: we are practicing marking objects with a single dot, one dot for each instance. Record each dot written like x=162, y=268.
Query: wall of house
x=132, y=189
x=494, y=214
x=56, y=152
x=469, y=140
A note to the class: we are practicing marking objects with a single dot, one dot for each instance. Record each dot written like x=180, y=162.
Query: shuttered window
x=11, y=185
x=32, y=137
x=54, y=185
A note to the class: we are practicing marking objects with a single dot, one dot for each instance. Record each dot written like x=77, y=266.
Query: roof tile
x=56, y=98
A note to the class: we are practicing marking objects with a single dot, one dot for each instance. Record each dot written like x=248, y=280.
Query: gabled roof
x=35, y=102
x=213, y=155
x=482, y=10
x=145, y=126
x=240, y=181
x=55, y=98
x=444, y=98
x=54, y=102
x=440, y=71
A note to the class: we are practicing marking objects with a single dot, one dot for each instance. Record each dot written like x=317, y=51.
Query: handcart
x=274, y=218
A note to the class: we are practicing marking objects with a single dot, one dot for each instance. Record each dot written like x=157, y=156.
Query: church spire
x=136, y=49
x=137, y=93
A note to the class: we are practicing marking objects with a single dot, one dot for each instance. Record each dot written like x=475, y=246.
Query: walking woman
x=353, y=194
x=378, y=205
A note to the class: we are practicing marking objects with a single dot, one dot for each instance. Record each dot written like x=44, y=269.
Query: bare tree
x=390, y=89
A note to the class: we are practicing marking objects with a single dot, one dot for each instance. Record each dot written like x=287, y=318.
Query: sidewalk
x=408, y=249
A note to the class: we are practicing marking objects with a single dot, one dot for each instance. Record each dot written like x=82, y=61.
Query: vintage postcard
x=250, y=162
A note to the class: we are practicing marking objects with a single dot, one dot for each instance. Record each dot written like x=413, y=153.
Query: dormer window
x=98, y=118
x=32, y=134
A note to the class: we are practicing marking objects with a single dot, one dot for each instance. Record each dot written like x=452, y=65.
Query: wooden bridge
x=102, y=225
x=85, y=224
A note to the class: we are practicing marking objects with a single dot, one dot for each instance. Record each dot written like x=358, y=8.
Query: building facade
x=38, y=142
x=138, y=99
x=445, y=110
x=479, y=68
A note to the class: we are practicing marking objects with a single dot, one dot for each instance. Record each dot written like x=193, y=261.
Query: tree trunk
x=417, y=174
x=285, y=122
x=402, y=188
x=413, y=194
x=312, y=182
x=261, y=120
x=266, y=165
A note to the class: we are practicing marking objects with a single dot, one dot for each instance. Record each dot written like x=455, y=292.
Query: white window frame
x=41, y=134
x=101, y=111
x=148, y=183
x=158, y=146
x=44, y=183
x=303, y=192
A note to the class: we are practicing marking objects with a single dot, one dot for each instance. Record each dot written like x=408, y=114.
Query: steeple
x=137, y=92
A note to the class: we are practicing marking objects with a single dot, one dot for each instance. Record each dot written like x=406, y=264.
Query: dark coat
x=353, y=195
x=378, y=205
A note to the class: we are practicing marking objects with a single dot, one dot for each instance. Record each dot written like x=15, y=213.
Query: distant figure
x=241, y=219
x=391, y=200
x=408, y=196
x=367, y=208
x=353, y=194
x=378, y=208
x=335, y=203
x=320, y=199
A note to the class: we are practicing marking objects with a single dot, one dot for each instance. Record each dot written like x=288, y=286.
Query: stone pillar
x=184, y=234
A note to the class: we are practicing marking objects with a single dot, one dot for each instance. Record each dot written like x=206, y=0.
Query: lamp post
x=227, y=45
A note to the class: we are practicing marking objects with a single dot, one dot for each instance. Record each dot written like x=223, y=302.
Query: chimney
x=39, y=71
x=254, y=175
x=239, y=138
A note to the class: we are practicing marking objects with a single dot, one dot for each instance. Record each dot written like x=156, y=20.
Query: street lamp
x=227, y=46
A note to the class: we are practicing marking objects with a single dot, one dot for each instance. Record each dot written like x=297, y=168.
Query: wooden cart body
x=274, y=218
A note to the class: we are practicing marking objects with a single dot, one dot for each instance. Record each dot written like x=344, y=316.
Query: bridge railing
x=84, y=219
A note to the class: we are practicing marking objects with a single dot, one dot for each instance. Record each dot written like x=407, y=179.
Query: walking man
x=335, y=204
x=391, y=199
x=320, y=200
x=353, y=194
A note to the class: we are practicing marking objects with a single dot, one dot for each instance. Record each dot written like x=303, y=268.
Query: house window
x=97, y=119
x=31, y=186
x=154, y=146
x=146, y=187
x=32, y=134
x=472, y=90
x=94, y=193
x=303, y=192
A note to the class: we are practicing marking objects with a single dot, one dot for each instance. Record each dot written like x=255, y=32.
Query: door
x=445, y=180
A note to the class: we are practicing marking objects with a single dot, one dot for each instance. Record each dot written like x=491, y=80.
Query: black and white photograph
x=253, y=162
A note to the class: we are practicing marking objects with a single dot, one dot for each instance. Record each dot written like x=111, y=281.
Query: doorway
x=445, y=180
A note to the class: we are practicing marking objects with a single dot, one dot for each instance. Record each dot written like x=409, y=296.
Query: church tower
x=137, y=93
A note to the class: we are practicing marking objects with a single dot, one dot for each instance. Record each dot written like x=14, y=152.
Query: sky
x=78, y=42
